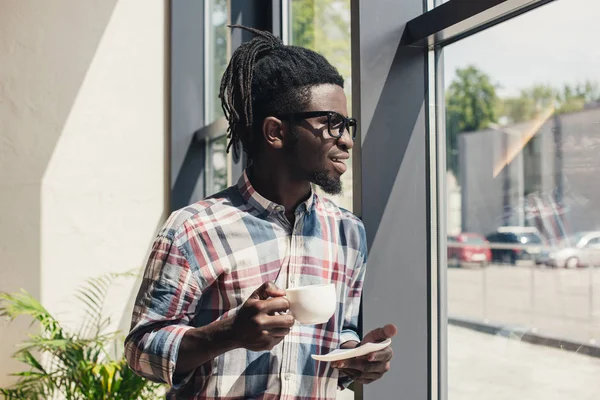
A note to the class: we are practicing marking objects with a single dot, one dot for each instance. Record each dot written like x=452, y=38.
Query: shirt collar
x=256, y=200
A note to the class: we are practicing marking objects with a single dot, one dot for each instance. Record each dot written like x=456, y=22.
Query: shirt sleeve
x=165, y=304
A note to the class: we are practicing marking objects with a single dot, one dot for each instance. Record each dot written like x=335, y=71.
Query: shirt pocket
x=242, y=277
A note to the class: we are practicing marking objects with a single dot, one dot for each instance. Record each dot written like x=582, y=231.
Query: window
x=216, y=169
x=593, y=242
x=217, y=57
x=522, y=126
x=324, y=26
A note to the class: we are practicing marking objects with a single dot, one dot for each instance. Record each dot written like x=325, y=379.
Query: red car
x=468, y=248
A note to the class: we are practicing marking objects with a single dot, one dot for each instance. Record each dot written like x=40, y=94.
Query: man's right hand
x=256, y=326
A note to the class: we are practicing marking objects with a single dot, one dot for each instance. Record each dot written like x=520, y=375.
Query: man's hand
x=369, y=368
x=256, y=327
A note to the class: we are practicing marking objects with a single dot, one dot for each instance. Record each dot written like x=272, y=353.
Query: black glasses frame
x=347, y=123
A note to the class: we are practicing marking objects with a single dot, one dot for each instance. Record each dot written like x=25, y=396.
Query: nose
x=345, y=141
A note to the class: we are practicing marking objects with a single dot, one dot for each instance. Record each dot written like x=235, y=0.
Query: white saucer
x=343, y=354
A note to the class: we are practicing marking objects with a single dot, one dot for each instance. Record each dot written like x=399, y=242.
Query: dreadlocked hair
x=267, y=78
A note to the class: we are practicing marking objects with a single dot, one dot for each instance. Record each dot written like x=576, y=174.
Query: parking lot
x=556, y=302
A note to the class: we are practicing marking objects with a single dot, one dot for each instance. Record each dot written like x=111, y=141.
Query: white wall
x=83, y=179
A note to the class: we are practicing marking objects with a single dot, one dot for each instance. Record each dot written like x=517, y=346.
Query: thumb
x=380, y=334
x=267, y=290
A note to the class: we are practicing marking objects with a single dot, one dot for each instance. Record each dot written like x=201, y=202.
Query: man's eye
x=336, y=120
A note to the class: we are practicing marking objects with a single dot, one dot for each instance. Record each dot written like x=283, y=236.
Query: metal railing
x=558, y=301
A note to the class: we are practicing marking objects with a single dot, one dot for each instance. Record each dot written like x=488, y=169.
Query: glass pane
x=217, y=56
x=523, y=146
x=216, y=177
x=324, y=26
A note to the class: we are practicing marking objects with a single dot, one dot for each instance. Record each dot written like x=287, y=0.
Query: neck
x=276, y=184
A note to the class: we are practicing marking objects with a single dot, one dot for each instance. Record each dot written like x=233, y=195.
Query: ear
x=272, y=130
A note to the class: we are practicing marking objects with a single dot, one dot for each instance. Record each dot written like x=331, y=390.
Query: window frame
x=442, y=25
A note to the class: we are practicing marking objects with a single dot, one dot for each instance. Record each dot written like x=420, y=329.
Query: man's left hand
x=370, y=367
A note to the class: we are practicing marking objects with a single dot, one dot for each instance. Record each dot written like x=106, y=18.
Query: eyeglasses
x=337, y=124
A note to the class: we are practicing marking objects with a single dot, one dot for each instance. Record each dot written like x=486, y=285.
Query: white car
x=582, y=249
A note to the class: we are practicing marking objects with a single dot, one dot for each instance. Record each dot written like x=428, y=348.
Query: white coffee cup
x=313, y=304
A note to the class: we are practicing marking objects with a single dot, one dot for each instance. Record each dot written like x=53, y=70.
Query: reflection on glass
x=523, y=146
x=324, y=26
x=216, y=55
x=216, y=178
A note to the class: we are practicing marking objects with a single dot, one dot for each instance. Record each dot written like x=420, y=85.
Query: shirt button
x=286, y=377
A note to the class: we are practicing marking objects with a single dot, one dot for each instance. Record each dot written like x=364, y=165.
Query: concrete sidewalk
x=482, y=366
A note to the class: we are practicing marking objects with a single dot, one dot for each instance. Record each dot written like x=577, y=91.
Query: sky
x=555, y=44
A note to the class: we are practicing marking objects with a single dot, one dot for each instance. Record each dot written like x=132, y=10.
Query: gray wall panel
x=187, y=99
x=391, y=84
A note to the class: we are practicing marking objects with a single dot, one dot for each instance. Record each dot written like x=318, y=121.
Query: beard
x=330, y=185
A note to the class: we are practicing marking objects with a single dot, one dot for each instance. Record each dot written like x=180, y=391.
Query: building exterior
x=547, y=184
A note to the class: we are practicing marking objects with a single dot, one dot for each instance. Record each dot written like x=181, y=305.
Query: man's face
x=314, y=154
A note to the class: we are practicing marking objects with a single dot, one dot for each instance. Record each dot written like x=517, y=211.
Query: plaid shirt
x=209, y=258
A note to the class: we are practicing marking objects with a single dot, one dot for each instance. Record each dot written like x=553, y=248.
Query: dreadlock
x=267, y=78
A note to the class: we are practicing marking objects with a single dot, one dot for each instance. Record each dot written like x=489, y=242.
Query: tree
x=541, y=97
x=516, y=109
x=471, y=105
x=324, y=26
x=574, y=98
x=531, y=102
x=218, y=57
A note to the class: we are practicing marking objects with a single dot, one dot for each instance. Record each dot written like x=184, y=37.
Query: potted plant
x=73, y=365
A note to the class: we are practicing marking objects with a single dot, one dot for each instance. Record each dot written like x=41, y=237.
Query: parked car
x=511, y=244
x=468, y=248
x=580, y=250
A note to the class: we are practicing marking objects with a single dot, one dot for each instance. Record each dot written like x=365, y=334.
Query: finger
x=380, y=356
x=376, y=368
x=279, y=332
x=274, y=304
x=365, y=366
x=351, y=363
x=266, y=290
x=380, y=334
x=351, y=373
x=271, y=322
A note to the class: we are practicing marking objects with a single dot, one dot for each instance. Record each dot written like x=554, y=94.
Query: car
x=468, y=248
x=579, y=250
x=511, y=244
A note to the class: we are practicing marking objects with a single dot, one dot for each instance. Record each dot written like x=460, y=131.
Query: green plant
x=73, y=365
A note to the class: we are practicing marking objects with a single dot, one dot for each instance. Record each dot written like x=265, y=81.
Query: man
x=210, y=318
